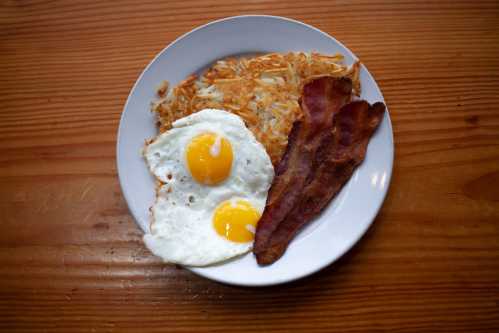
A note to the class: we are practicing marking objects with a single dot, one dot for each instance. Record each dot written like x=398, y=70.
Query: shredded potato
x=263, y=90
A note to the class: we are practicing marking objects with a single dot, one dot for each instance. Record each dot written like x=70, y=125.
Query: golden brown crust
x=263, y=90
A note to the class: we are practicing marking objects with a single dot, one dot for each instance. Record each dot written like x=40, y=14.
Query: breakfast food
x=263, y=90
x=222, y=135
x=321, y=99
x=323, y=151
x=213, y=179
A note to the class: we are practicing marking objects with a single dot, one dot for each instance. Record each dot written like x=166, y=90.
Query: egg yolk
x=209, y=158
x=236, y=220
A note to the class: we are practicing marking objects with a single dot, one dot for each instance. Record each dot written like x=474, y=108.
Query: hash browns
x=263, y=90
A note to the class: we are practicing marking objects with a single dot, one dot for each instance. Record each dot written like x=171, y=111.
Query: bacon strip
x=340, y=152
x=321, y=98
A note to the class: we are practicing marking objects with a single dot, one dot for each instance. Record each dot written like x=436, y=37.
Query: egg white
x=182, y=230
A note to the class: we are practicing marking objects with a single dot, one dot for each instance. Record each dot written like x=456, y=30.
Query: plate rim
x=198, y=270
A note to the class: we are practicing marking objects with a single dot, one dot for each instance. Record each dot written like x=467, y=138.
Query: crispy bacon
x=321, y=98
x=340, y=152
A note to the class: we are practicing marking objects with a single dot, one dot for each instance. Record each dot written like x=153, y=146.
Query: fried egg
x=214, y=178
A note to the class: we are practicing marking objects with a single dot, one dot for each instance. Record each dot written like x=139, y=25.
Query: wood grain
x=71, y=257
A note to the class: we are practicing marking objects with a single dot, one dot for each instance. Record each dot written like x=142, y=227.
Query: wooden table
x=72, y=259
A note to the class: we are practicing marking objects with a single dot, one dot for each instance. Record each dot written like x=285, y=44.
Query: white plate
x=343, y=222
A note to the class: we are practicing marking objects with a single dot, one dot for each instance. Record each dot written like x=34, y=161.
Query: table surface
x=72, y=259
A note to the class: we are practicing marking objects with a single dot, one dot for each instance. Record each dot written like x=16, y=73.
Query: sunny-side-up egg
x=214, y=177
